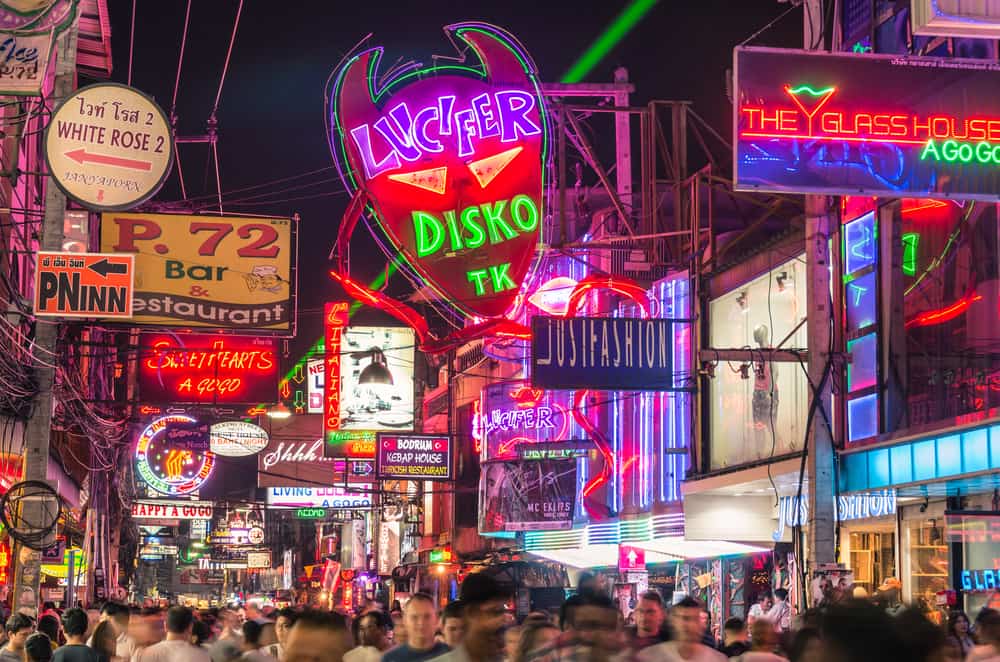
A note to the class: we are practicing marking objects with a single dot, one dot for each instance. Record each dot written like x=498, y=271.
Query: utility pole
x=819, y=223
x=39, y=426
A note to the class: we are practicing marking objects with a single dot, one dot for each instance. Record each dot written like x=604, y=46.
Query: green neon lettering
x=930, y=148
x=949, y=151
x=501, y=280
x=910, y=242
x=428, y=232
x=965, y=152
x=477, y=277
x=983, y=152
x=996, y=154
x=456, y=236
x=477, y=237
x=527, y=221
x=494, y=222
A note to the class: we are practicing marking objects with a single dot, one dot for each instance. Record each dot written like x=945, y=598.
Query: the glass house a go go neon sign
x=847, y=123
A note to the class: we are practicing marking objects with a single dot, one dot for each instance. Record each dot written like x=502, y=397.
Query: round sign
x=109, y=146
x=170, y=470
x=237, y=438
x=256, y=535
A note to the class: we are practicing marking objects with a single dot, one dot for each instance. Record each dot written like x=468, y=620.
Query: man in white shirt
x=177, y=647
x=780, y=614
x=759, y=609
x=685, y=617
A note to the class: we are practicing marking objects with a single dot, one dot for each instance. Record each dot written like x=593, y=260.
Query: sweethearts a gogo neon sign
x=450, y=162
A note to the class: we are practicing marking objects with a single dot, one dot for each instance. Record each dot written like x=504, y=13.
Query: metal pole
x=71, y=580
x=39, y=426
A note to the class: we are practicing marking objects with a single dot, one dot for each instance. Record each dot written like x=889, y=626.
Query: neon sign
x=204, y=368
x=167, y=470
x=514, y=415
x=336, y=317
x=878, y=125
x=450, y=162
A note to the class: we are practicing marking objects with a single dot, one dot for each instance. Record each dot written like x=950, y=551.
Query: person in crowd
x=318, y=637
x=689, y=629
x=591, y=630
x=75, y=622
x=650, y=621
x=228, y=645
x=588, y=582
x=735, y=638
x=485, y=616
x=372, y=638
x=253, y=633
x=49, y=626
x=857, y=631
x=536, y=635
x=420, y=619
x=398, y=626
x=780, y=614
x=120, y=617
x=177, y=646
x=38, y=648
x=452, y=624
x=764, y=638
x=806, y=646
x=201, y=634
x=104, y=641
x=958, y=632
x=512, y=642
x=284, y=620
x=890, y=595
x=253, y=612
x=760, y=609
x=18, y=628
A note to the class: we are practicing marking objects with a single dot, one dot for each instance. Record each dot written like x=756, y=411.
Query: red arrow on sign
x=82, y=156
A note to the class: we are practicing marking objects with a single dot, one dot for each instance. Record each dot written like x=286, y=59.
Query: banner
x=535, y=495
x=603, y=353
x=413, y=457
x=872, y=125
x=206, y=271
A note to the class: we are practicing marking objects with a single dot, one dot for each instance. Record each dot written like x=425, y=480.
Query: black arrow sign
x=104, y=267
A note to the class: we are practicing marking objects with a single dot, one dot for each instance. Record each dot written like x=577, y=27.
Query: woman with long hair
x=104, y=641
x=958, y=632
x=535, y=635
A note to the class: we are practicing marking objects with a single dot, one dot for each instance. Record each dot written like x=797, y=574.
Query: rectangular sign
x=631, y=558
x=210, y=272
x=336, y=315
x=315, y=379
x=24, y=62
x=864, y=124
x=338, y=497
x=84, y=285
x=527, y=496
x=258, y=560
x=604, y=353
x=970, y=527
x=145, y=510
x=413, y=457
x=189, y=436
x=207, y=369
x=294, y=463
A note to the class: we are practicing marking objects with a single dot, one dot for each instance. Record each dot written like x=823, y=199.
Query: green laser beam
x=816, y=93
x=614, y=33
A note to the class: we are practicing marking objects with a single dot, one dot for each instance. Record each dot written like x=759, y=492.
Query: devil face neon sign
x=845, y=124
x=451, y=160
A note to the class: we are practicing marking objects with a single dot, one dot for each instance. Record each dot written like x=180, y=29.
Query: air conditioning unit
x=956, y=18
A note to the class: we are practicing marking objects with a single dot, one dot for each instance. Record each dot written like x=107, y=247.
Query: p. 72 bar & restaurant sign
x=208, y=271
x=809, y=122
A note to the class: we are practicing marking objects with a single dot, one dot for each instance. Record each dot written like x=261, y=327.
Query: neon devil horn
x=451, y=159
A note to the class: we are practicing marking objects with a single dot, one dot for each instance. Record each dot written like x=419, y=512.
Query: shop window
x=927, y=560
x=759, y=409
x=873, y=558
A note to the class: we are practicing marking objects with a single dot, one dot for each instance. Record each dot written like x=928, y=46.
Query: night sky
x=271, y=112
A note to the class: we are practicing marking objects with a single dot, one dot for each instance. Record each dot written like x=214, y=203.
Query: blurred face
x=512, y=639
x=454, y=630
x=598, y=627
x=308, y=644
x=766, y=603
x=370, y=633
x=962, y=625
x=687, y=624
x=545, y=638
x=648, y=618
x=281, y=628
x=485, y=625
x=420, y=619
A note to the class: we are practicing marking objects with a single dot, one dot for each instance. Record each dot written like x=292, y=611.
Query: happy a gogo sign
x=449, y=160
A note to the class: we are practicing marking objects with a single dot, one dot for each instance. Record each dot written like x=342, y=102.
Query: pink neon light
x=946, y=314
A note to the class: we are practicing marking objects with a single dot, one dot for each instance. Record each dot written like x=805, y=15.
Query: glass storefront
x=925, y=560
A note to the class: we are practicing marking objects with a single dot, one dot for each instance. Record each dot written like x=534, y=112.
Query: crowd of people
x=479, y=627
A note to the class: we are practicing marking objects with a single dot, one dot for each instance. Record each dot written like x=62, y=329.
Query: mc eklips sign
x=108, y=146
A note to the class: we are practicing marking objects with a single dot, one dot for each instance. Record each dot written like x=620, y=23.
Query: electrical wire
x=131, y=44
x=229, y=53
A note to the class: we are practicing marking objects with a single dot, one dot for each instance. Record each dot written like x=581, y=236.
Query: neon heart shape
x=451, y=160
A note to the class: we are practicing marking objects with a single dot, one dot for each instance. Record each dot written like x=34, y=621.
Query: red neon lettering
x=789, y=120
x=918, y=127
x=831, y=122
x=941, y=127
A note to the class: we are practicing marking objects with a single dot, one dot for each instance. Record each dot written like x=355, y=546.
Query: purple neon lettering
x=485, y=116
x=446, y=104
x=514, y=107
x=363, y=139
x=465, y=125
x=420, y=137
x=397, y=133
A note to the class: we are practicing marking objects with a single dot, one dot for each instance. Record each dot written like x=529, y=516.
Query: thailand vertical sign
x=336, y=315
